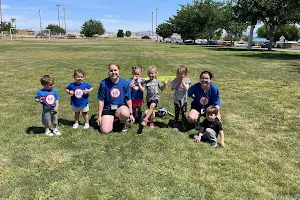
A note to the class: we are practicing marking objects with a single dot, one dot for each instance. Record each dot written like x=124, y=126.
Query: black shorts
x=109, y=112
x=152, y=101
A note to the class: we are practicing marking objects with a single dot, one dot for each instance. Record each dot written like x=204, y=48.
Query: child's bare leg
x=150, y=111
x=77, y=114
x=85, y=117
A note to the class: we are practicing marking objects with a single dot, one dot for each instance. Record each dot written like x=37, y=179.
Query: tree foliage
x=5, y=26
x=290, y=32
x=120, y=33
x=128, y=33
x=92, y=27
x=55, y=29
x=165, y=30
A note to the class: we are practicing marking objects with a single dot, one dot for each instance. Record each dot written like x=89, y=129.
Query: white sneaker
x=75, y=125
x=48, y=133
x=86, y=126
x=56, y=131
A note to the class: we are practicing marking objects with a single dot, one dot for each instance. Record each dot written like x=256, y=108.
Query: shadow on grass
x=35, y=130
x=296, y=68
x=65, y=122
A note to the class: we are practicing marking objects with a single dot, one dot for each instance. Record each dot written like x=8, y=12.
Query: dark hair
x=47, y=80
x=115, y=64
x=137, y=67
x=78, y=71
x=207, y=72
x=212, y=110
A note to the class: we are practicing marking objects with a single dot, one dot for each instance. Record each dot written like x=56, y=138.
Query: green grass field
x=260, y=113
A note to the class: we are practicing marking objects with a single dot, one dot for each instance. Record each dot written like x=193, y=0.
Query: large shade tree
x=92, y=27
x=290, y=32
x=55, y=29
x=165, y=30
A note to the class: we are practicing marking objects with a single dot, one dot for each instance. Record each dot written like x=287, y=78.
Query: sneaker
x=124, y=129
x=86, y=126
x=214, y=144
x=56, y=131
x=152, y=125
x=75, y=126
x=175, y=127
x=48, y=133
x=184, y=128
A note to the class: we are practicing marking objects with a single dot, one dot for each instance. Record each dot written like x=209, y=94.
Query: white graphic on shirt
x=50, y=99
x=204, y=101
x=78, y=93
x=115, y=93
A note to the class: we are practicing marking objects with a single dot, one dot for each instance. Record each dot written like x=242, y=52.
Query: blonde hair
x=152, y=68
x=182, y=68
x=47, y=80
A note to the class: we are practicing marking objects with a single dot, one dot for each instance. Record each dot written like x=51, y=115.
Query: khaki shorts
x=81, y=109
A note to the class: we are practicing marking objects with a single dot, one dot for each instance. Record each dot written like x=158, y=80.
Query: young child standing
x=180, y=85
x=137, y=88
x=48, y=97
x=79, y=98
x=152, y=85
x=211, y=128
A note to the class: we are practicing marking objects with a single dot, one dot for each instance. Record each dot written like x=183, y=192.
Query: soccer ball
x=162, y=111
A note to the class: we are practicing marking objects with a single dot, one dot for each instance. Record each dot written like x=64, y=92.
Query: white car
x=241, y=44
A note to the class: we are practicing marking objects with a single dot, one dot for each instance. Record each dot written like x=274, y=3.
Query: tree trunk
x=271, y=37
x=250, y=37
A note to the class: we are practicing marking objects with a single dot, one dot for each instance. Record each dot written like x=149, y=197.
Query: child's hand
x=85, y=91
x=42, y=99
x=197, y=138
x=71, y=92
x=139, y=80
x=166, y=81
x=55, y=109
x=135, y=77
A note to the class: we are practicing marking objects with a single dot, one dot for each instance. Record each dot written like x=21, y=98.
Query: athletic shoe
x=197, y=125
x=75, y=126
x=214, y=144
x=56, y=131
x=124, y=129
x=175, y=127
x=48, y=133
x=86, y=126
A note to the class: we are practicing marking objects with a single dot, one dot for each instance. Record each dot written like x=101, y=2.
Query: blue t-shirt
x=50, y=96
x=79, y=99
x=114, y=93
x=136, y=93
x=204, y=99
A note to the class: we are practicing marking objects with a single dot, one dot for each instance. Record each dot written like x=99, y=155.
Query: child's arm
x=57, y=105
x=164, y=85
x=185, y=86
x=88, y=90
x=38, y=100
x=198, y=138
x=70, y=92
x=131, y=85
x=142, y=88
x=221, y=133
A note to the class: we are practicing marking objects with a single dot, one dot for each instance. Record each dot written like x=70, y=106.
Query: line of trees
x=208, y=18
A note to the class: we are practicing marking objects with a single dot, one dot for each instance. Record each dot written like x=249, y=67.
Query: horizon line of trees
x=208, y=18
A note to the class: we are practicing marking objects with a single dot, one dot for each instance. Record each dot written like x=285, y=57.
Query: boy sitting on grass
x=211, y=128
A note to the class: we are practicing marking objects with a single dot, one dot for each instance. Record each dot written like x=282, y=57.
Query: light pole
x=1, y=11
x=156, y=24
x=62, y=21
x=57, y=5
x=152, y=24
x=40, y=20
x=64, y=9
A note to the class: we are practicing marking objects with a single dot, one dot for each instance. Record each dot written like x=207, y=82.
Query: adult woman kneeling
x=205, y=93
x=114, y=100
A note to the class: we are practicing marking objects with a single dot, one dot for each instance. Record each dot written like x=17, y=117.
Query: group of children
x=79, y=92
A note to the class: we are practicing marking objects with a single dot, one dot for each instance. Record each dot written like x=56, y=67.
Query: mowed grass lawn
x=260, y=113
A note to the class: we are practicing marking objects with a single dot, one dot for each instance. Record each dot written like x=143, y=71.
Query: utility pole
x=152, y=24
x=40, y=20
x=57, y=5
x=1, y=11
x=62, y=21
x=64, y=9
x=156, y=24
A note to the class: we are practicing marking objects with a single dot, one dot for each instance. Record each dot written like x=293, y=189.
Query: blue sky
x=133, y=15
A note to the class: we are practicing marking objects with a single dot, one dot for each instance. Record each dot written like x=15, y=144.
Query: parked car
x=241, y=44
x=188, y=41
x=213, y=42
x=41, y=35
x=146, y=37
x=226, y=43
